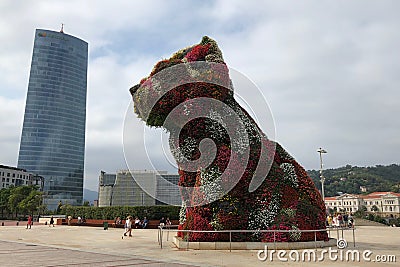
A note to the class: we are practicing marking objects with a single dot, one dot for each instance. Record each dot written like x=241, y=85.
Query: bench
x=152, y=224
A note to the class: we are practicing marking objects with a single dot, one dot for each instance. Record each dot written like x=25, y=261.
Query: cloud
x=11, y=114
x=328, y=70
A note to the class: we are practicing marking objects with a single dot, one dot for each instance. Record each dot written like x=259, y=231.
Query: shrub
x=109, y=213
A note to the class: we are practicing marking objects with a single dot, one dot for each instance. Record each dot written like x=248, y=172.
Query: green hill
x=348, y=179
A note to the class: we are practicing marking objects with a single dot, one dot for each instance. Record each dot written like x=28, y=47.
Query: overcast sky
x=329, y=70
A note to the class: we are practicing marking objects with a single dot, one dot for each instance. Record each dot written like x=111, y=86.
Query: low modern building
x=16, y=176
x=386, y=204
x=138, y=188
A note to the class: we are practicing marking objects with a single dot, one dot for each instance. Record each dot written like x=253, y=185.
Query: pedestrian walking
x=29, y=224
x=51, y=221
x=128, y=227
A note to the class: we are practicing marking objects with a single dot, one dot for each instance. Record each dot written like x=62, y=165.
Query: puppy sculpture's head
x=196, y=72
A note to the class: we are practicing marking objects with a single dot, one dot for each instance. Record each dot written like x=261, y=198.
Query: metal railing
x=339, y=232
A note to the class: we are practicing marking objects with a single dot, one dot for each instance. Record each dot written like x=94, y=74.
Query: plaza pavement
x=90, y=246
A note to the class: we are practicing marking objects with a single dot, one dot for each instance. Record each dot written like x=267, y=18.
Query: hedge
x=110, y=213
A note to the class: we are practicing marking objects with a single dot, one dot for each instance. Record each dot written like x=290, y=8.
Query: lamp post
x=46, y=192
x=322, y=151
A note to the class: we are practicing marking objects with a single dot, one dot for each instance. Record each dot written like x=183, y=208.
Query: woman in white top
x=137, y=222
x=128, y=227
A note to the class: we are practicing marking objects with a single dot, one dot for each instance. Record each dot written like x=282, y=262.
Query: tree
x=32, y=202
x=361, y=212
x=86, y=203
x=17, y=195
x=59, y=206
x=374, y=208
x=4, y=196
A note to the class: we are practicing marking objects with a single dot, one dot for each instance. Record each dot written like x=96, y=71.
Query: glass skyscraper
x=53, y=134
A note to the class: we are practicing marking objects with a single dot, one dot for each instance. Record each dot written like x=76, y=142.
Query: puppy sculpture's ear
x=134, y=89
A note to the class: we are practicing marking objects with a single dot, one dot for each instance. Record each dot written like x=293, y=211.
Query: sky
x=328, y=70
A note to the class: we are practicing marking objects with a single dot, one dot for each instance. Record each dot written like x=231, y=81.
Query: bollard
x=2, y=223
x=17, y=223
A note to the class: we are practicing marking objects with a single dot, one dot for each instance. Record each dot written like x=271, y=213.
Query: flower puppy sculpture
x=231, y=175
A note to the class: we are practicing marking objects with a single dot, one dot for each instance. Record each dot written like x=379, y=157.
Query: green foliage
x=109, y=213
x=31, y=203
x=20, y=199
x=348, y=179
x=17, y=195
x=4, y=196
x=374, y=208
x=379, y=219
x=361, y=213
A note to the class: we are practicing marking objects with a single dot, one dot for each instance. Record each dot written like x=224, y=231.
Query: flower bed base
x=181, y=244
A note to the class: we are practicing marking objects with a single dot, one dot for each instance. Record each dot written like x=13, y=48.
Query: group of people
x=340, y=220
x=165, y=222
x=137, y=222
x=130, y=223
x=30, y=222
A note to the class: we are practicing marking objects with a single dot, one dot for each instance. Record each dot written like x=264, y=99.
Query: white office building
x=138, y=188
x=385, y=204
x=12, y=176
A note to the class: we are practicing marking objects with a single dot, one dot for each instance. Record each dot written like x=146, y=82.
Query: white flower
x=186, y=110
x=183, y=152
x=182, y=213
x=262, y=218
x=296, y=234
x=216, y=224
x=211, y=183
x=288, y=213
x=289, y=174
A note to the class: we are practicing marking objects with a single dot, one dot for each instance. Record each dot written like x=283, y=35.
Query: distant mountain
x=350, y=179
x=89, y=195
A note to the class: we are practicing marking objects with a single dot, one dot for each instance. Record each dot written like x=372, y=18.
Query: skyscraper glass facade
x=53, y=135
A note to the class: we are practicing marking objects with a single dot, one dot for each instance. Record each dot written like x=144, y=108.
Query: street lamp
x=46, y=192
x=321, y=151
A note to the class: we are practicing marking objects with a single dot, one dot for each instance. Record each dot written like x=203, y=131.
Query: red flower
x=198, y=53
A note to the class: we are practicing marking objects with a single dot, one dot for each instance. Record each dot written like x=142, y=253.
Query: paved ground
x=89, y=246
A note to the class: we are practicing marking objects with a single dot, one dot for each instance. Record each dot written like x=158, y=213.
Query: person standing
x=346, y=220
x=340, y=219
x=51, y=221
x=29, y=224
x=128, y=227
